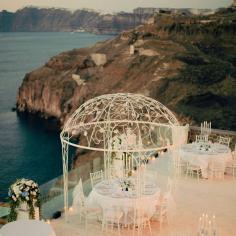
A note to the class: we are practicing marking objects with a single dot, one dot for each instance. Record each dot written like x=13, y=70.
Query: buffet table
x=109, y=193
x=201, y=155
x=27, y=228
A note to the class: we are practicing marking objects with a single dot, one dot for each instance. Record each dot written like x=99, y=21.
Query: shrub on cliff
x=191, y=59
x=207, y=74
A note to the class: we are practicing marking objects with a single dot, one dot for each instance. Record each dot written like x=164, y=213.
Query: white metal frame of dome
x=99, y=120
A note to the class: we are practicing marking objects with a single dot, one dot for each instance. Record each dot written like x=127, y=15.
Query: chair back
x=182, y=233
x=170, y=185
x=112, y=212
x=139, y=214
x=224, y=140
x=96, y=177
x=217, y=165
x=202, y=138
x=234, y=153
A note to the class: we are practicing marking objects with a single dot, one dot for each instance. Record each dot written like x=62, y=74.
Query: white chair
x=232, y=164
x=216, y=169
x=80, y=205
x=96, y=177
x=224, y=140
x=202, y=138
x=170, y=185
x=178, y=165
x=140, y=219
x=111, y=217
x=165, y=209
x=193, y=170
x=181, y=233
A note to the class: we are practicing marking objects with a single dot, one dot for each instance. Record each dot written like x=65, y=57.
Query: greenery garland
x=24, y=191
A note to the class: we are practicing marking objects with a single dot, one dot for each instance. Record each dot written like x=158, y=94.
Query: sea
x=27, y=147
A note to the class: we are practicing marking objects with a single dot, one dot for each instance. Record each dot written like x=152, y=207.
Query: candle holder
x=207, y=225
x=206, y=128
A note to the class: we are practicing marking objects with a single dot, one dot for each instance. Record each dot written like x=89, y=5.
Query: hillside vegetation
x=187, y=63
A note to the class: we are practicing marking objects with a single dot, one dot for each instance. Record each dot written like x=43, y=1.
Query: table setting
x=123, y=193
x=202, y=153
x=124, y=188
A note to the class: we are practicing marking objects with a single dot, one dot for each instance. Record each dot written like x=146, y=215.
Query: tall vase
x=36, y=211
x=23, y=211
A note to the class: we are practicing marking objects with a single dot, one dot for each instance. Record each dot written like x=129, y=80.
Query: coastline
x=26, y=140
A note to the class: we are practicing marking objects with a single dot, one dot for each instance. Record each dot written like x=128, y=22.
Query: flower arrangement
x=205, y=147
x=126, y=185
x=23, y=191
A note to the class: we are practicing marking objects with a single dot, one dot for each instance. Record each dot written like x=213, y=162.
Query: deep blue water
x=27, y=149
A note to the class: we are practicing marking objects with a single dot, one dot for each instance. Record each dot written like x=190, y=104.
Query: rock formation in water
x=187, y=63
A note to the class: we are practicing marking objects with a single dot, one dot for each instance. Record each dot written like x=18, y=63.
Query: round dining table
x=109, y=193
x=201, y=154
x=27, y=228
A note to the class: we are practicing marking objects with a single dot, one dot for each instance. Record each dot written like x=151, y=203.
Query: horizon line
x=102, y=11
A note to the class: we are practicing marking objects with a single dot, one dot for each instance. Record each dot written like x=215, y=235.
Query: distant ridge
x=34, y=19
x=41, y=19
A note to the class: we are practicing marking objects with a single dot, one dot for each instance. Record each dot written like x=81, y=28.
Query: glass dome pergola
x=119, y=124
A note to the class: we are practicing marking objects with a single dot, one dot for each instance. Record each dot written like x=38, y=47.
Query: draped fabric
x=180, y=135
x=77, y=195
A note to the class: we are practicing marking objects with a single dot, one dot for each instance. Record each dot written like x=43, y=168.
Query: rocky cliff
x=187, y=63
x=32, y=19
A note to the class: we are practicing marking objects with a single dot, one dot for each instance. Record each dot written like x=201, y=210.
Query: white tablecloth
x=27, y=228
x=192, y=154
x=106, y=194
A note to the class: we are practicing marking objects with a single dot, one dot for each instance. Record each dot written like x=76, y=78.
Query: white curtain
x=180, y=135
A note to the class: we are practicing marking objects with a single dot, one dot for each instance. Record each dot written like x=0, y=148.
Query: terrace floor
x=192, y=198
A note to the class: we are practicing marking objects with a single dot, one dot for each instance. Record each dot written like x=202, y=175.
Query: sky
x=112, y=5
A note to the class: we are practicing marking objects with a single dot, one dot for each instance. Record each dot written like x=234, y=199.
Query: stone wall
x=215, y=133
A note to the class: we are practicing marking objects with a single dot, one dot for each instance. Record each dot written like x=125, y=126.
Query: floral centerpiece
x=204, y=147
x=24, y=192
x=126, y=185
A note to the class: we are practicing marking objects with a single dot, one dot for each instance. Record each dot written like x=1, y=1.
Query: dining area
x=148, y=167
x=129, y=130
x=119, y=198
x=206, y=158
x=119, y=206
x=171, y=208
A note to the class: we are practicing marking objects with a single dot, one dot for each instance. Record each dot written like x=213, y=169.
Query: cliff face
x=32, y=19
x=177, y=61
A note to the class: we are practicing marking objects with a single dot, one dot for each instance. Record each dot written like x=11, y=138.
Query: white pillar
x=131, y=49
x=65, y=175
